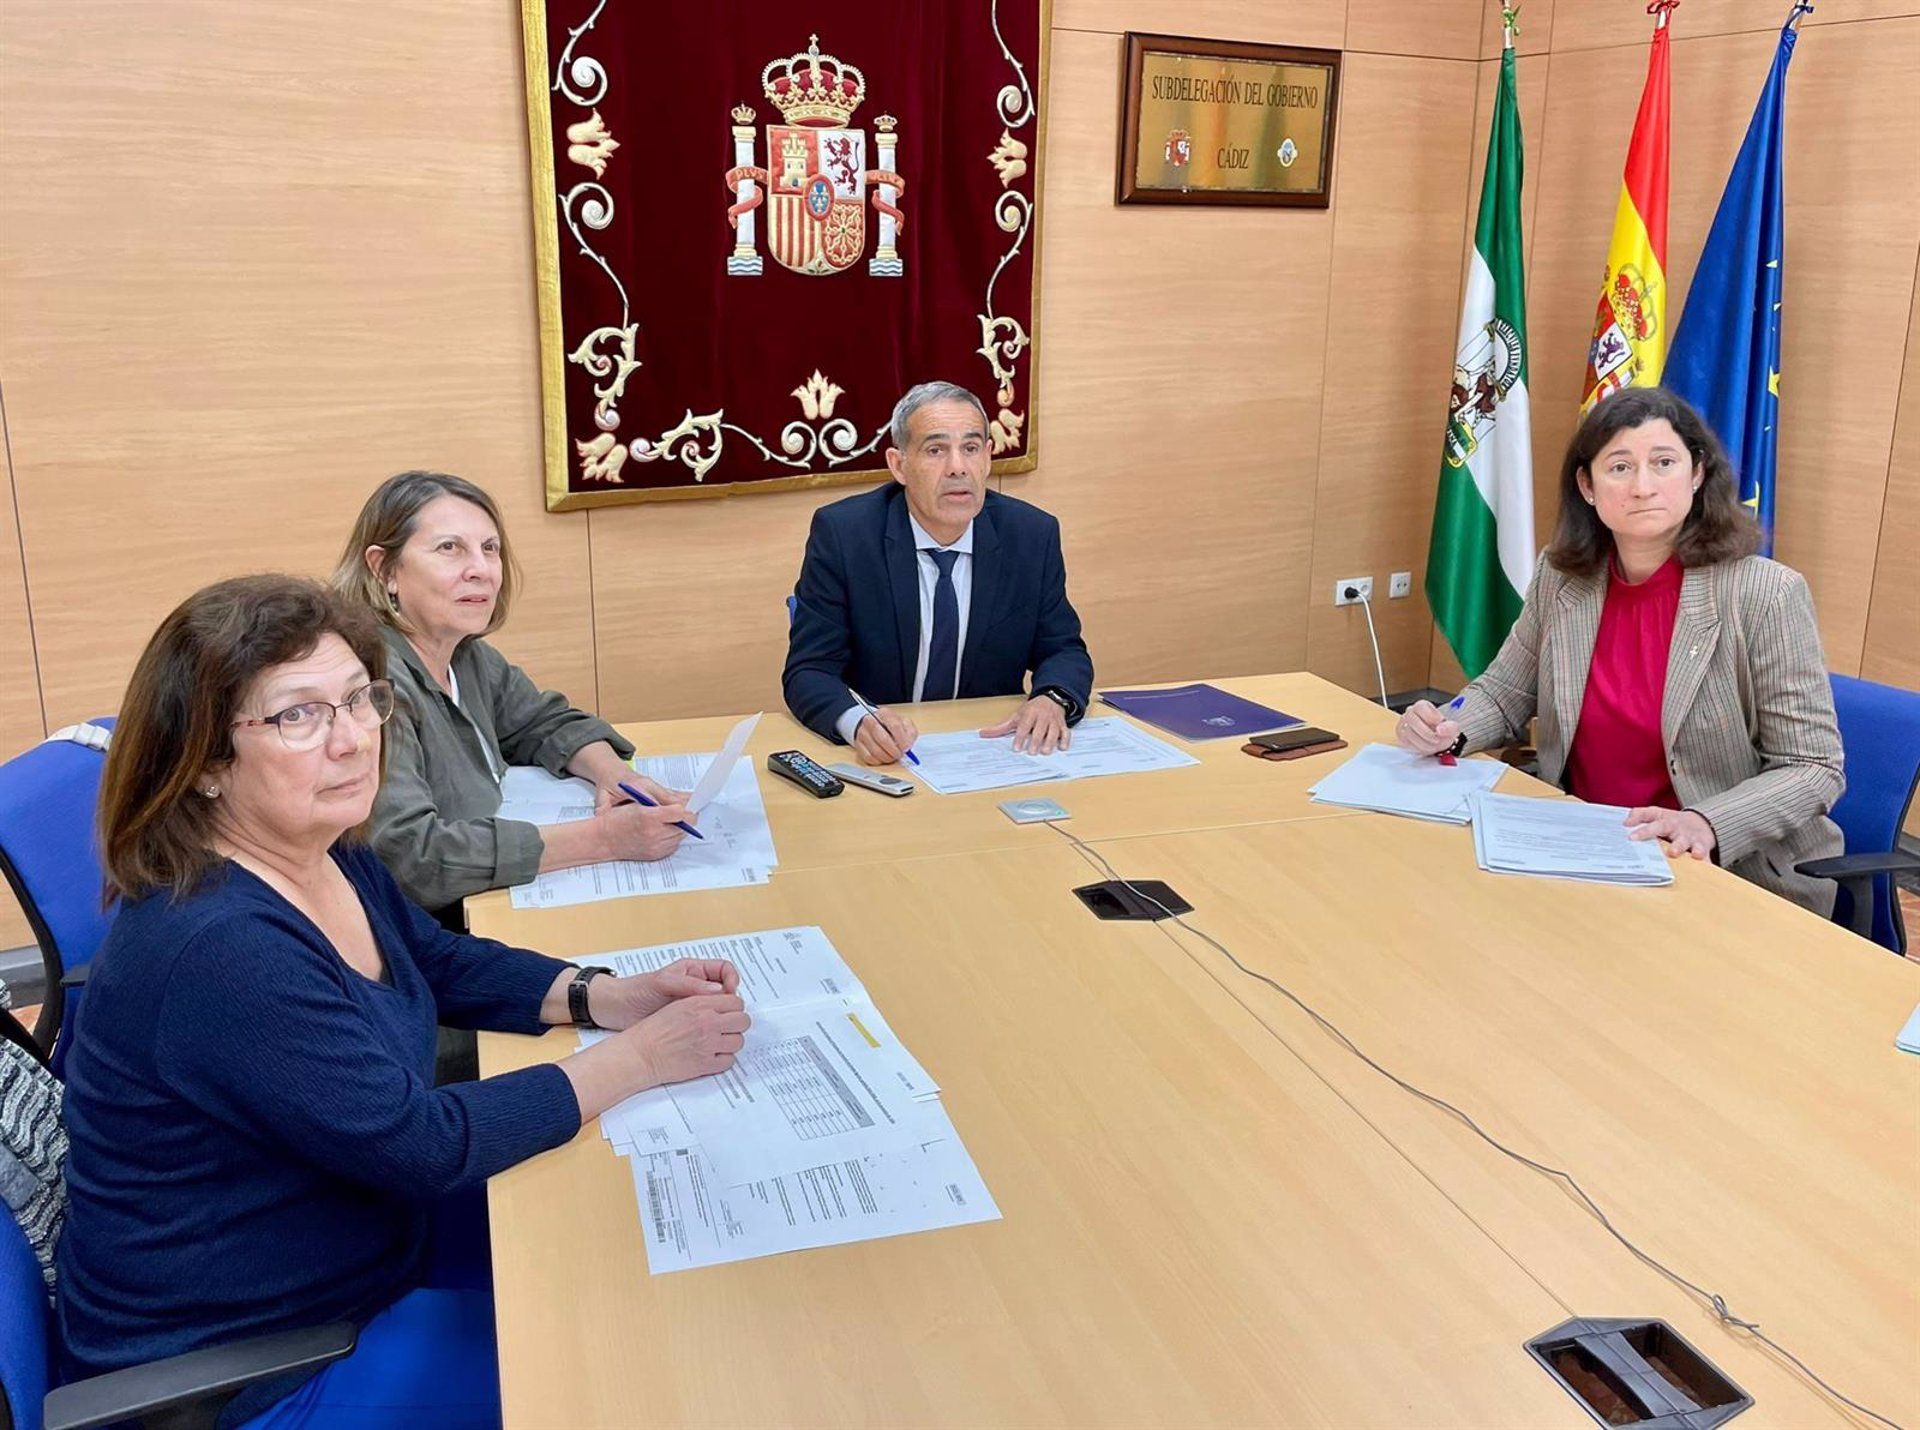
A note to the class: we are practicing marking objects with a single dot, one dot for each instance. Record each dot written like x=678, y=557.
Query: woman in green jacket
x=430, y=558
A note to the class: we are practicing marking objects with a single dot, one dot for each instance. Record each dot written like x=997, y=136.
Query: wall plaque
x=1224, y=122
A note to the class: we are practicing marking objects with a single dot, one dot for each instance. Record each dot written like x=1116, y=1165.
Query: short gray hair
x=926, y=392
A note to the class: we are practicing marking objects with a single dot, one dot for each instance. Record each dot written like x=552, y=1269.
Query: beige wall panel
x=689, y=601
x=1853, y=218
x=20, y=719
x=1181, y=354
x=20, y=724
x=1407, y=132
x=296, y=258
x=1435, y=29
x=1536, y=28
x=1587, y=24
x=1272, y=22
x=1892, y=651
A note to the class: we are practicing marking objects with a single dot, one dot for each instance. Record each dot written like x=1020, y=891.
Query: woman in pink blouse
x=1671, y=670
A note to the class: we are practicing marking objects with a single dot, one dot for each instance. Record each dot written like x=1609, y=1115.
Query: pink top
x=1618, y=755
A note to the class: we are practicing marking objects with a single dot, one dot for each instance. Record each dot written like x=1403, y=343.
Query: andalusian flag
x=1726, y=350
x=1481, y=554
x=1630, y=329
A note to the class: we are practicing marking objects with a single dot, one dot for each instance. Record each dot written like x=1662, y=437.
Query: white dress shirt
x=923, y=543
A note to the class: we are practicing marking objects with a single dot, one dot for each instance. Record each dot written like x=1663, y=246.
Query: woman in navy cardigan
x=257, y=1143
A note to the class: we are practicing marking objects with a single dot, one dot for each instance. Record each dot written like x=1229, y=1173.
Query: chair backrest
x=1880, y=732
x=49, y=855
x=33, y=1153
x=23, y=1329
x=793, y=608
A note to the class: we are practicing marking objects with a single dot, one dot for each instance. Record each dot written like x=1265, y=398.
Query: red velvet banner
x=760, y=221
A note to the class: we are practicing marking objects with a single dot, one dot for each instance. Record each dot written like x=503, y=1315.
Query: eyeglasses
x=305, y=725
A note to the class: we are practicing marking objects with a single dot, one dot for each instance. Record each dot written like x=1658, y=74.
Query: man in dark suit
x=933, y=588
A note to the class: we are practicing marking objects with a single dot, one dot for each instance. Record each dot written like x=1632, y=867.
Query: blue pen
x=638, y=798
x=873, y=710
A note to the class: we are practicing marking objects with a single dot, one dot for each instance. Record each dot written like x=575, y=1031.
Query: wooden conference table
x=1213, y=1214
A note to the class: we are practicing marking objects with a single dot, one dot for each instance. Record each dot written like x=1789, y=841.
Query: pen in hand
x=651, y=803
x=874, y=710
x=1446, y=757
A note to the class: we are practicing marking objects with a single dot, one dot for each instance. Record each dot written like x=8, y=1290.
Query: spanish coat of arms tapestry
x=758, y=222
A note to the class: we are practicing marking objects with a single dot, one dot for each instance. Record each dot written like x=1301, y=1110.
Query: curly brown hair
x=176, y=723
x=1717, y=527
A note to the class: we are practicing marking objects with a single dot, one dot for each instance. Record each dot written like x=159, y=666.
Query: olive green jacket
x=435, y=822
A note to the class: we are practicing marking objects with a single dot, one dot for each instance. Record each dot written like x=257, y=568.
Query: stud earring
x=211, y=791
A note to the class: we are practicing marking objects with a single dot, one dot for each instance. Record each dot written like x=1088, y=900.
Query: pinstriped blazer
x=1747, y=718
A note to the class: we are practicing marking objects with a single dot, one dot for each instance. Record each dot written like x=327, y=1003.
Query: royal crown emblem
x=815, y=182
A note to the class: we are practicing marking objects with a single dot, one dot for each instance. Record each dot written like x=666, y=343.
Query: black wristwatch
x=1060, y=697
x=1459, y=745
x=577, y=996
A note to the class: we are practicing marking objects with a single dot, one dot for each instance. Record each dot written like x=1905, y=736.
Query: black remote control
x=811, y=777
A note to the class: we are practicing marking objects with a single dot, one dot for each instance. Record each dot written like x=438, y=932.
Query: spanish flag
x=1630, y=327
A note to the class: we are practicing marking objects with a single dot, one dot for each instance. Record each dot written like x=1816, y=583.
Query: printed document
x=1390, y=780
x=821, y=1062
x=692, y=1218
x=736, y=848
x=961, y=762
x=825, y=1130
x=1563, y=839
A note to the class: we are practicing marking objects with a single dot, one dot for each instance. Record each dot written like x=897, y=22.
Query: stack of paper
x=961, y=761
x=736, y=847
x=1563, y=839
x=1391, y=780
x=825, y=1130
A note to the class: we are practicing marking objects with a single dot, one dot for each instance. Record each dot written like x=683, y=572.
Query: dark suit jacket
x=858, y=619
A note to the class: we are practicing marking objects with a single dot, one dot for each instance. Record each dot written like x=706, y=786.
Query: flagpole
x=1800, y=8
x=1661, y=9
x=1509, y=19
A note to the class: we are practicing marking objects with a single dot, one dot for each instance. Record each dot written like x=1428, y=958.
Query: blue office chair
x=51, y=860
x=185, y=1392
x=793, y=608
x=1880, y=732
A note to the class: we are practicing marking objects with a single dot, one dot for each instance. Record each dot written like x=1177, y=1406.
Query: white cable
x=1379, y=671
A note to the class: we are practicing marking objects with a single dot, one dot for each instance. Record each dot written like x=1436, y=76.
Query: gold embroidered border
x=546, y=258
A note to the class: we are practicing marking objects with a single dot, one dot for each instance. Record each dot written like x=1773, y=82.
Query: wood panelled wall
x=256, y=257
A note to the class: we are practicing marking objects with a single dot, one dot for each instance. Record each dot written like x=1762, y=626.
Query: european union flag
x=1725, y=358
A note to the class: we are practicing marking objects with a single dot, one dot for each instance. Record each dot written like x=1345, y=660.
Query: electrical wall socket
x=1399, y=584
x=1340, y=598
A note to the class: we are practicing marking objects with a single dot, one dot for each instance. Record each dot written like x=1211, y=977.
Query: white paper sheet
x=736, y=848
x=786, y=965
x=1564, y=839
x=528, y=793
x=691, y=1219
x=720, y=768
x=961, y=762
x=1390, y=780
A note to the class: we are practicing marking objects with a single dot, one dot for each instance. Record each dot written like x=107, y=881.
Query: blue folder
x=1199, y=712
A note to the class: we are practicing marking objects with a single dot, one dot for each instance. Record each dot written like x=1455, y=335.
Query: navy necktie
x=943, y=648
